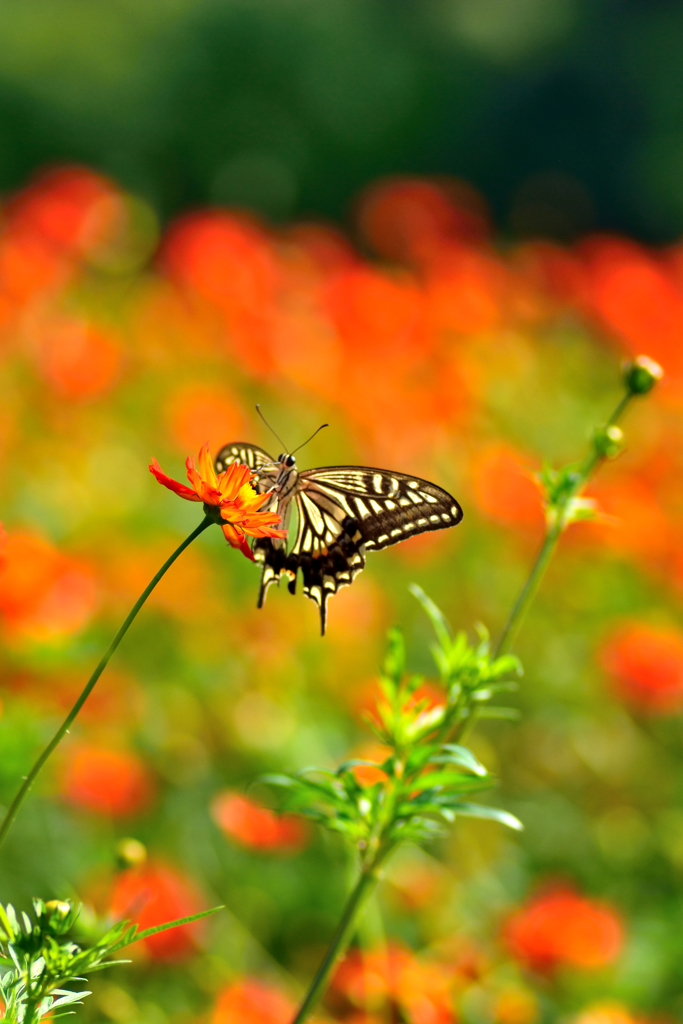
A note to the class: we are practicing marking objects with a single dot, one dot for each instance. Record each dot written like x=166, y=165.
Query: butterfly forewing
x=342, y=511
x=388, y=506
x=249, y=455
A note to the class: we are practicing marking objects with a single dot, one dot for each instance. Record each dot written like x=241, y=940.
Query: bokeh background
x=438, y=226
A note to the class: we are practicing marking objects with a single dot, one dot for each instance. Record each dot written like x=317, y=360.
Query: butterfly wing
x=345, y=511
x=248, y=455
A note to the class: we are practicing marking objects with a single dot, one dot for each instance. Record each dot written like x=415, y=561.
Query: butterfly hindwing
x=328, y=548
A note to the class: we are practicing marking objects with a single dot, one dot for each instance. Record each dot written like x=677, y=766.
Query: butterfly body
x=343, y=512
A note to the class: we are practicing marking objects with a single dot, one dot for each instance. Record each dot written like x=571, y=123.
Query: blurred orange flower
x=645, y=664
x=72, y=208
x=251, y=1000
x=257, y=827
x=504, y=487
x=78, y=359
x=232, y=495
x=408, y=219
x=561, y=928
x=636, y=299
x=105, y=781
x=198, y=411
x=154, y=894
x=418, y=989
x=43, y=593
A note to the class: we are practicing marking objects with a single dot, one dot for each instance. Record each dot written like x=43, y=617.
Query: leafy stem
x=41, y=957
x=426, y=779
x=562, y=489
x=87, y=689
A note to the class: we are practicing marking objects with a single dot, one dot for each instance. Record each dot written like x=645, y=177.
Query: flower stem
x=364, y=886
x=557, y=521
x=554, y=529
x=68, y=721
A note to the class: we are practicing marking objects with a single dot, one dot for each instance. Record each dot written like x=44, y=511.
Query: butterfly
x=343, y=512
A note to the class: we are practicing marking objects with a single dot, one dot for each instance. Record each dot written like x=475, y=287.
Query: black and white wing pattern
x=343, y=512
x=248, y=455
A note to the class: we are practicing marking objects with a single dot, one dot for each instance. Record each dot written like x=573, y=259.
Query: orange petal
x=235, y=478
x=258, y=524
x=237, y=540
x=206, y=469
x=206, y=493
x=180, y=489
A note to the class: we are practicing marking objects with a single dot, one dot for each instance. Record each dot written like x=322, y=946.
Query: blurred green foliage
x=565, y=113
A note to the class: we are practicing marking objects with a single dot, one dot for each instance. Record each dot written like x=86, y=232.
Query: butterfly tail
x=272, y=559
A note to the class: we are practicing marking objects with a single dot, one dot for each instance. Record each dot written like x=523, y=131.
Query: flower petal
x=258, y=524
x=180, y=489
x=206, y=469
x=206, y=492
x=233, y=480
x=236, y=539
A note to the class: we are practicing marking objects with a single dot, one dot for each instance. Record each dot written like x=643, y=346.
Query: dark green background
x=567, y=114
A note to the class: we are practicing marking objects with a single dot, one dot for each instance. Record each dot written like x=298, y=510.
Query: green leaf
x=146, y=932
x=508, y=664
x=442, y=779
x=453, y=753
x=412, y=810
x=418, y=757
x=394, y=666
x=346, y=765
x=437, y=617
x=279, y=780
x=492, y=813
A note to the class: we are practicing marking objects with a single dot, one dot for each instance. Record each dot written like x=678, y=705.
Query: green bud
x=130, y=853
x=57, y=910
x=58, y=916
x=608, y=441
x=641, y=374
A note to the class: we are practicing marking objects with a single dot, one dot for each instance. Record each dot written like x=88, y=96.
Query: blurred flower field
x=432, y=348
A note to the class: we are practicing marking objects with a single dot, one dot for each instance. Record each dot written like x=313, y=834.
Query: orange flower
x=228, y=496
x=105, y=781
x=419, y=989
x=646, y=666
x=153, y=894
x=561, y=928
x=251, y=1000
x=43, y=593
x=257, y=827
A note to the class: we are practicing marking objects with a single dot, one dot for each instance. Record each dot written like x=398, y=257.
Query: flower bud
x=608, y=441
x=130, y=853
x=57, y=916
x=641, y=374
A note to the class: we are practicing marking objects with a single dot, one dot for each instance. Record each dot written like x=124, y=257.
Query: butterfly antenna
x=321, y=427
x=258, y=410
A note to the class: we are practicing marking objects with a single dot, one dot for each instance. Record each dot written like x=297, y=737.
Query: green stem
x=68, y=721
x=554, y=529
x=364, y=886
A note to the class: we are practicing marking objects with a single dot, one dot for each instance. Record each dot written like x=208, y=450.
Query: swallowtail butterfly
x=343, y=512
